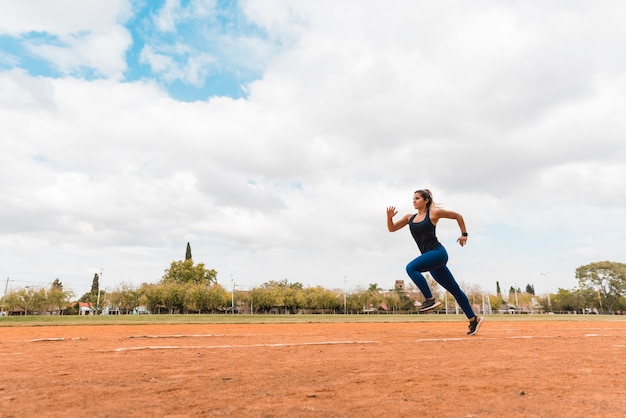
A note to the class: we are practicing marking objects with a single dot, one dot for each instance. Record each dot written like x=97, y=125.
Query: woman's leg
x=444, y=278
x=426, y=262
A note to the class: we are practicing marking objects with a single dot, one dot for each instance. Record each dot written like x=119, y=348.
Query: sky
x=272, y=134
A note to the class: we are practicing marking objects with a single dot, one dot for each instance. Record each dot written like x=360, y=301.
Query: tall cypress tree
x=95, y=285
x=188, y=254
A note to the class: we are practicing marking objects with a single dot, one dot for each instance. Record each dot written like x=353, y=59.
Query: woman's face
x=418, y=202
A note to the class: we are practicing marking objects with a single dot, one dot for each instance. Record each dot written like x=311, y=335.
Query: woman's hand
x=394, y=226
x=462, y=240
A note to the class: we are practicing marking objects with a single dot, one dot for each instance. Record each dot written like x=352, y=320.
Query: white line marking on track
x=472, y=338
x=55, y=339
x=176, y=336
x=192, y=347
x=46, y=339
x=194, y=335
x=421, y=340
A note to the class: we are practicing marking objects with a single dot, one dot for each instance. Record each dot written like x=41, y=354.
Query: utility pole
x=232, y=294
x=98, y=299
x=547, y=291
x=6, y=288
x=345, y=281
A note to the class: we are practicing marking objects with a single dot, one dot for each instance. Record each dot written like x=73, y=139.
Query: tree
x=57, y=298
x=607, y=278
x=154, y=296
x=374, y=287
x=495, y=302
x=95, y=284
x=174, y=297
x=92, y=297
x=177, y=289
x=328, y=300
x=567, y=301
x=514, y=295
x=393, y=301
x=33, y=300
x=188, y=253
x=525, y=302
x=271, y=295
x=405, y=303
x=261, y=298
x=241, y=298
x=294, y=297
x=474, y=294
x=370, y=298
x=126, y=298
x=530, y=289
x=199, y=298
x=353, y=302
x=217, y=297
x=320, y=299
x=185, y=272
x=56, y=284
x=196, y=297
x=12, y=300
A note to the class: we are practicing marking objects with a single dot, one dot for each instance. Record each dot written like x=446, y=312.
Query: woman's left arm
x=448, y=214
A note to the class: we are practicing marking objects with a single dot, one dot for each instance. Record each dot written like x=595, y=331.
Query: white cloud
x=61, y=17
x=102, y=51
x=72, y=35
x=174, y=13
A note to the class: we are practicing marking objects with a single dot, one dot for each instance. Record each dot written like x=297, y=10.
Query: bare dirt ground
x=514, y=369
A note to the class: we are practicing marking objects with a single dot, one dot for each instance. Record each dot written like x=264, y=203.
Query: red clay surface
x=513, y=369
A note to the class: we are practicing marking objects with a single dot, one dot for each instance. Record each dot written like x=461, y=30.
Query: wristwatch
x=464, y=234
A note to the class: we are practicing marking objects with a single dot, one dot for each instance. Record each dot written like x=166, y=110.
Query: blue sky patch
x=193, y=50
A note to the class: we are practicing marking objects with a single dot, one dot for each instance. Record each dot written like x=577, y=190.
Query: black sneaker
x=474, y=326
x=429, y=304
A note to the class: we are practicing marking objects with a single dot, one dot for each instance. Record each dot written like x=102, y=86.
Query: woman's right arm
x=394, y=226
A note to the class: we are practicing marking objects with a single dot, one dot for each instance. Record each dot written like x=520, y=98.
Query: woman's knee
x=414, y=270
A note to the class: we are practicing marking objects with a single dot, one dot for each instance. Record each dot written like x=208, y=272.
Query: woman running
x=434, y=256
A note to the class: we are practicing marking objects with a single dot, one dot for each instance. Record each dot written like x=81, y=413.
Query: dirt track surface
x=513, y=369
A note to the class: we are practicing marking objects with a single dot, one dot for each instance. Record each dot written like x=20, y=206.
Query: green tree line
x=192, y=288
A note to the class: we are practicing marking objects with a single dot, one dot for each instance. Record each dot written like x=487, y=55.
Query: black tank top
x=424, y=234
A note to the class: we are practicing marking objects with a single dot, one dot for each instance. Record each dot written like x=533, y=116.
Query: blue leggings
x=434, y=261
